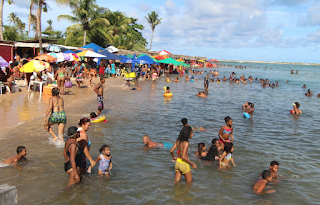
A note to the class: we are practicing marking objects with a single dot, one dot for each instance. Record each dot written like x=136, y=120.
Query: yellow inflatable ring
x=99, y=119
x=167, y=95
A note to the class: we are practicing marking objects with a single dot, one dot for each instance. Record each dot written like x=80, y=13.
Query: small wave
x=57, y=143
x=3, y=165
x=21, y=123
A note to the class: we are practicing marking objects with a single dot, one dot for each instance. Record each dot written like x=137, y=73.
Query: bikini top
x=227, y=131
x=89, y=141
x=228, y=157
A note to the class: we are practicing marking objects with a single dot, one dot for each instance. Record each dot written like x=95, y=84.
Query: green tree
x=10, y=33
x=12, y=18
x=153, y=20
x=1, y=17
x=87, y=14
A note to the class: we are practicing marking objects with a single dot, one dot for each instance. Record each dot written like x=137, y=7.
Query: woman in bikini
x=73, y=155
x=182, y=166
x=85, y=143
x=226, y=131
x=55, y=115
x=61, y=76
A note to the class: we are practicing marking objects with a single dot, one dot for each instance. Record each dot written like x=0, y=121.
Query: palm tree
x=154, y=20
x=12, y=18
x=1, y=17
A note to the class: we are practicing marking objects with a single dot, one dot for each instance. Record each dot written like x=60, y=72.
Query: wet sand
x=21, y=107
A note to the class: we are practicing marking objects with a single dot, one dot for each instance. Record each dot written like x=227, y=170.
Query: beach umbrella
x=130, y=56
x=68, y=51
x=110, y=56
x=160, y=57
x=46, y=57
x=94, y=47
x=143, y=54
x=146, y=59
x=53, y=48
x=164, y=52
x=91, y=54
x=112, y=49
x=74, y=57
x=34, y=65
x=125, y=59
x=3, y=62
x=170, y=61
x=59, y=56
x=66, y=56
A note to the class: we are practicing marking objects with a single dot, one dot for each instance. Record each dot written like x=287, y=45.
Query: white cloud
x=312, y=18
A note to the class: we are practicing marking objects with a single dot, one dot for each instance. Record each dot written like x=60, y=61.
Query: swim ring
x=246, y=115
x=99, y=119
x=167, y=95
x=192, y=80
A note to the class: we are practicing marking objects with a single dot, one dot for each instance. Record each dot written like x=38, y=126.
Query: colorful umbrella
x=3, y=62
x=74, y=57
x=164, y=52
x=34, y=65
x=53, y=48
x=66, y=56
x=46, y=57
x=91, y=54
x=58, y=56
x=160, y=57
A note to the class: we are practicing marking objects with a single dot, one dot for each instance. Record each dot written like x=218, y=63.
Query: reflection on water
x=146, y=176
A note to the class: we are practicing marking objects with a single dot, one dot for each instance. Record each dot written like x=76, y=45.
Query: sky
x=256, y=30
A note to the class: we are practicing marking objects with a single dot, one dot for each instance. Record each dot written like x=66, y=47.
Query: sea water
x=141, y=176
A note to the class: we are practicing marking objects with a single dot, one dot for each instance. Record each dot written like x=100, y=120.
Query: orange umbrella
x=47, y=58
x=161, y=57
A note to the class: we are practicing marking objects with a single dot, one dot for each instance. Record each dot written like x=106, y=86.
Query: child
x=93, y=116
x=260, y=185
x=21, y=153
x=274, y=167
x=201, y=150
x=168, y=80
x=105, y=161
x=213, y=151
x=226, y=131
x=128, y=84
x=226, y=156
x=168, y=90
x=176, y=80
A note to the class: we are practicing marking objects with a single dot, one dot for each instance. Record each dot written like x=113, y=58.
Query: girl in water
x=61, y=76
x=201, y=150
x=182, y=166
x=226, y=131
x=296, y=109
x=85, y=143
x=226, y=156
x=55, y=115
x=105, y=161
x=249, y=111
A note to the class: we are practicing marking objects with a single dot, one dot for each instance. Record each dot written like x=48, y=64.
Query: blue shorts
x=167, y=145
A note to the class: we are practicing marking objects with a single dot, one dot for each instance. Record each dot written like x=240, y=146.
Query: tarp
x=143, y=54
x=94, y=47
x=130, y=56
x=170, y=61
x=110, y=56
x=3, y=62
x=146, y=59
x=164, y=52
x=112, y=49
x=125, y=59
x=90, y=54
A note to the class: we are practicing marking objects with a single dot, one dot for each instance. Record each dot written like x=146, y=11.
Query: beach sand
x=21, y=107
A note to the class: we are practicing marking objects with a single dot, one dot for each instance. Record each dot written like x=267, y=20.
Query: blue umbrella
x=110, y=56
x=125, y=59
x=146, y=60
x=68, y=51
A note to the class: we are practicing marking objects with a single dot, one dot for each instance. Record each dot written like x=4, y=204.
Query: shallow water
x=146, y=176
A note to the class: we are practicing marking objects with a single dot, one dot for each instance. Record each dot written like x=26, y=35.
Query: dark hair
x=93, y=115
x=274, y=163
x=83, y=120
x=184, y=121
x=297, y=104
x=103, y=147
x=252, y=105
x=228, y=147
x=55, y=91
x=200, y=147
x=168, y=88
x=184, y=134
x=102, y=78
x=214, y=140
x=227, y=119
x=20, y=149
x=266, y=174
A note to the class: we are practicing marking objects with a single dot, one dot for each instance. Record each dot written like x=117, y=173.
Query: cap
x=294, y=104
x=72, y=130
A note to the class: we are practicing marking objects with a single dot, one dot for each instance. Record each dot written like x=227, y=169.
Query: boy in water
x=260, y=185
x=149, y=143
x=99, y=90
x=184, y=122
x=21, y=153
x=274, y=167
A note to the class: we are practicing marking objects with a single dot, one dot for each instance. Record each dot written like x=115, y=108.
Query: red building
x=6, y=50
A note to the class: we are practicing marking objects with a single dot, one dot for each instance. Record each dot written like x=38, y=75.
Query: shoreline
x=22, y=107
x=269, y=62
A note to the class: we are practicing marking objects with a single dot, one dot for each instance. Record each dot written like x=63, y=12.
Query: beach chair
x=118, y=72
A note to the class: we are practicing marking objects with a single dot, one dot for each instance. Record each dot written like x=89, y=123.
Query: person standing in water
x=73, y=155
x=61, y=76
x=296, y=109
x=206, y=83
x=226, y=131
x=99, y=90
x=55, y=115
x=182, y=166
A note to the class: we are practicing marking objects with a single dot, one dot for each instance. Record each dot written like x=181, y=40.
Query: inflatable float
x=167, y=95
x=99, y=119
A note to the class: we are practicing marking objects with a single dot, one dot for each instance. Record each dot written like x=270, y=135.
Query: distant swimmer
x=184, y=122
x=304, y=86
x=309, y=93
x=206, y=82
x=176, y=80
x=296, y=109
x=20, y=157
x=249, y=111
x=149, y=143
x=260, y=185
x=168, y=80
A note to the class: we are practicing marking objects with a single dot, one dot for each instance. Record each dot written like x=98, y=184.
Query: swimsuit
x=246, y=115
x=227, y=131
x=58, y=117
x=61, y=75
x=79, y=77
x=78, y=159
x=104, y=164
x=220, y=140
x=100, y=102
x=228, y=157
x=182, y=166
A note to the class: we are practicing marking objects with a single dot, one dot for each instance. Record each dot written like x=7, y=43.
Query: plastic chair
x=118, y=73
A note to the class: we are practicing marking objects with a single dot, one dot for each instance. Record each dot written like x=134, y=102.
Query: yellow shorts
x=182, y=166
